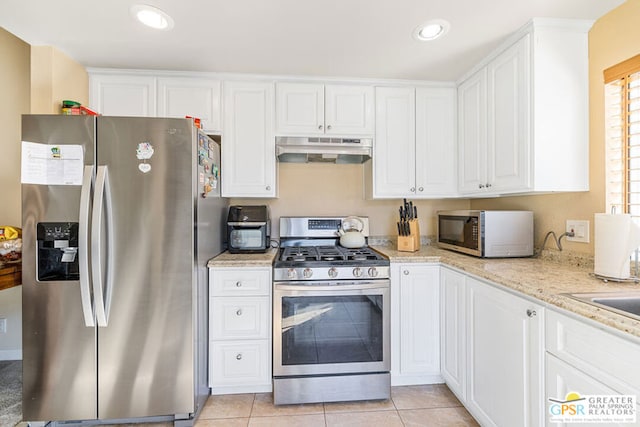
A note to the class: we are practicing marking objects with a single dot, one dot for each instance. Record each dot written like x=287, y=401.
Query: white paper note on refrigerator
x=47, y=164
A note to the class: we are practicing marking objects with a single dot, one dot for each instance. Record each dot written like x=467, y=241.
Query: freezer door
x=59, y=350
x=146, y=348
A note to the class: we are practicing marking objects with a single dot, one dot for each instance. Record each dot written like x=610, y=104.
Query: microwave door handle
x=102, y=293
x=83, y=247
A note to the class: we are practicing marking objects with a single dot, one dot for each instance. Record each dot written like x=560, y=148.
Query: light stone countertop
x=227, y=259
x=541, y=279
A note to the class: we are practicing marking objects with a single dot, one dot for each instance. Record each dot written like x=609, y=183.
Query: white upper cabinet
x=508, y=133
x=472, y=133
x=394, y=163
x=308, y=109
x=123, y=94
x=151, y=95
x=524, y=112
x=436, y=142
x=196, y=97
x=248, y=146
x=414, y=150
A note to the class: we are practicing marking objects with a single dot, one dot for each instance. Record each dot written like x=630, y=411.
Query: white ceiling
x=341, y=38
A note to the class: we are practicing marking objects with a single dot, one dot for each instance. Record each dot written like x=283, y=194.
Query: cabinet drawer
x=239, y=363
x=603, y=355
x=239, y=281
x=239, y=318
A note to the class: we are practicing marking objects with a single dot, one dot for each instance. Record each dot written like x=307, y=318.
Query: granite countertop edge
x=542, y=280
x=227, y=259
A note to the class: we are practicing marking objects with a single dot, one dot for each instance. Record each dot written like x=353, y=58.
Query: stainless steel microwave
x=487, y=234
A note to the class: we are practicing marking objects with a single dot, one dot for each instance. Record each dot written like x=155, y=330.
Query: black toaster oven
x=248, y=229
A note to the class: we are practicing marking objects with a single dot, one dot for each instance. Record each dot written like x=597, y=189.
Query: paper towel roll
x=616, y=236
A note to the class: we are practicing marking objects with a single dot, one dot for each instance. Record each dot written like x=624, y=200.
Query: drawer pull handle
x=239, y=312
x=238, y=284
x=406, y=272
x=531, y=313
x=239, y=356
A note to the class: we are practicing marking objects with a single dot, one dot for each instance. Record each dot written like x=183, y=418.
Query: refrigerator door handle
x=102, y=291
x=83, y=250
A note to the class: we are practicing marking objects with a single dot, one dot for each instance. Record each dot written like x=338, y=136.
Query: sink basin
x=626, y=303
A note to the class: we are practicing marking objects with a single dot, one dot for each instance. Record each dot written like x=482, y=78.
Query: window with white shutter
x=622, y=136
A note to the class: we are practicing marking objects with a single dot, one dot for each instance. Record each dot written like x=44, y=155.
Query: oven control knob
x=373, y=272
x=307, y=273
x=357, y=272
x=333, y=273
x=291, y=273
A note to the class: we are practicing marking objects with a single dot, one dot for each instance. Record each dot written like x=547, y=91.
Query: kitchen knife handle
x=83, y=247
x=102, y=292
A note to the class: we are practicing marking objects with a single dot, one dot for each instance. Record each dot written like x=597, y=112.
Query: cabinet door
x=435, y=142
x=123, y=95
x=419, y=315
x=562, y=378
x=452, y=330
x=504, y=357
x=472, y=133
x=248, y=148
x=394, y=149
x=196, y=97
x=508, y=119
x=349, y=110
x=299, y=109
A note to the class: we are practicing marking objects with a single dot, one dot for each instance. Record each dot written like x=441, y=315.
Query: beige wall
x=54, y=78
x=328, y=189
x=32, y=80
x=14, y=87
x=613, y=38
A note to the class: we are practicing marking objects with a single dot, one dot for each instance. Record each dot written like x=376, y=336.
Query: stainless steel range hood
x=324, y=150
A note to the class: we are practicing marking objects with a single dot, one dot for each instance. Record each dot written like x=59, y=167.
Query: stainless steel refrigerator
x=119, y=217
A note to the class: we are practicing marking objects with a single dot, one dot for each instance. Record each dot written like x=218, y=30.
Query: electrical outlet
x=580, y=229
x=3, y=325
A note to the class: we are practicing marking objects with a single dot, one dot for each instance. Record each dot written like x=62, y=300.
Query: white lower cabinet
x=492, y=351
x=452, y=330
x=239, y=330
x=415, y=324
x=504, y=357
x=585, y=359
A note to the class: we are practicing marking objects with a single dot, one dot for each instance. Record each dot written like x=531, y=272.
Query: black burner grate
x=327, y=254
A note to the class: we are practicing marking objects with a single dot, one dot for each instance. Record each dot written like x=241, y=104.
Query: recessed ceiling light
x=152, y=17
x=431, y=30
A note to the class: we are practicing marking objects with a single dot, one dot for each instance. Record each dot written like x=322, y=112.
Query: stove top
x=305, y=254
x=310, y=250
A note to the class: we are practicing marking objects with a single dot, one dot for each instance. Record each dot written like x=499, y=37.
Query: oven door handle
x=338, y=286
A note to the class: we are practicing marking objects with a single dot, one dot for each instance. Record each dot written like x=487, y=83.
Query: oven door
x=338, y=328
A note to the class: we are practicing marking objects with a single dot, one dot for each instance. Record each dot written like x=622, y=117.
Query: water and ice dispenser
x=57, y=254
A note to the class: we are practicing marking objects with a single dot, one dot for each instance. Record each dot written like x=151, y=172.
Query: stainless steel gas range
x=331, y=316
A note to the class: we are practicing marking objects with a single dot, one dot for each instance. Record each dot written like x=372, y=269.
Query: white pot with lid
x=351, y=233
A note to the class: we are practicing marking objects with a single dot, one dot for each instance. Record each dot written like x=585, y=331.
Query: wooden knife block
x=410, y=243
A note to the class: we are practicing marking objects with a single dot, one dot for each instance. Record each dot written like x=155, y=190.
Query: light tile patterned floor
x=426, y=405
